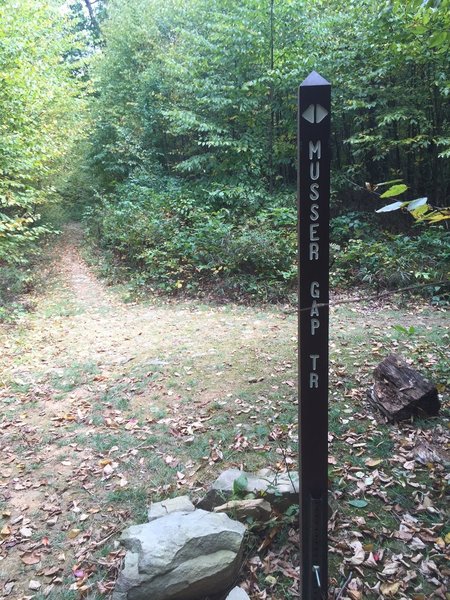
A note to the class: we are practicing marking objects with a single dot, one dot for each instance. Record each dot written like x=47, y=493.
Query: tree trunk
x=90, y=10
x=400, y=392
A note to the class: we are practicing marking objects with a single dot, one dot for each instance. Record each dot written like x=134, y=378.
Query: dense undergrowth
x=168, y=241
x=176, y=239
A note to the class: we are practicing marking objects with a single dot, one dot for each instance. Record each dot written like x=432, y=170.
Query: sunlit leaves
x=37, y=116
x=391, y=207
x=395, y=190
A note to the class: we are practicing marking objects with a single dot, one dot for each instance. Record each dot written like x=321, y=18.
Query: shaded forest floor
x=106, y=406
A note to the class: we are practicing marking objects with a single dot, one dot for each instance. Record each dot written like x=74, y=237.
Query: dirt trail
x=84, y=380
x=87, y=289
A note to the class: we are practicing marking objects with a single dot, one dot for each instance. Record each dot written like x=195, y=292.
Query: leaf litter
x=74, y=453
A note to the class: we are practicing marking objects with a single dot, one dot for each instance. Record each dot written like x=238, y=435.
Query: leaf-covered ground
x=106, y=406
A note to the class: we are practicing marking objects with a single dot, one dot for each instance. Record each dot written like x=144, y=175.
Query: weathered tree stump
x=401, y=392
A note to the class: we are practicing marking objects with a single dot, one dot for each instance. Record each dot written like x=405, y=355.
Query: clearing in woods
x=106, y=406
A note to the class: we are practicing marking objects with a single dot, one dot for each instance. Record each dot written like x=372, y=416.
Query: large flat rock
x=256, y=508
x=166, y=507
x=181, y=556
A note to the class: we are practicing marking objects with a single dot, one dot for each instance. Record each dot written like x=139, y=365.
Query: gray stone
x=237, y=593
x=129, y=576
x=166, y=507
x=181, y=556
x=256, y=508
x=280, y=489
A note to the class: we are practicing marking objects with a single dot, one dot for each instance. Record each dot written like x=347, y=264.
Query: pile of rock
x=189, y=553
x=280, y=489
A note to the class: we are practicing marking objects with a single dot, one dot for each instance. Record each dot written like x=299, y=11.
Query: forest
x=173, y=136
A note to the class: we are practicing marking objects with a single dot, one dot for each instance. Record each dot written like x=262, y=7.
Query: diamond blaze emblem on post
x=315, y=113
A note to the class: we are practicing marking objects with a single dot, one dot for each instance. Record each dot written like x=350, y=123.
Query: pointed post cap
x=314, y=79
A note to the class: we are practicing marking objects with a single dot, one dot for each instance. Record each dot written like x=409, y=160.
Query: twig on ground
x=344, y=587
x=379, y=295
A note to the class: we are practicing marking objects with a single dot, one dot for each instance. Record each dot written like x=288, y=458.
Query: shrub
x=177, y=242
x=393, y=261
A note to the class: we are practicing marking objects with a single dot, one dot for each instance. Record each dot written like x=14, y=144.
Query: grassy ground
x=107, y=406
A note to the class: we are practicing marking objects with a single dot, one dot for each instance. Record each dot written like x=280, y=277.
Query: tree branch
x=377, y=296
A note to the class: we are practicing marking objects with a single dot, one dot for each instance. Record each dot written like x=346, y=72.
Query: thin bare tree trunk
x=90, y=10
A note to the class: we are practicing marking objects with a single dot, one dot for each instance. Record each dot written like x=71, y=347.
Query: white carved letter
x=313, y=380
x=314, y=170
x=313, y=251
x=315, y=324
x=314, y=192
x=314, y=289
x=314, y=358
x=314, y=309
x=313, y=236
x=315, y=148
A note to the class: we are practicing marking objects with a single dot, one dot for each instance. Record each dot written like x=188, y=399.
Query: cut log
x=400, y=392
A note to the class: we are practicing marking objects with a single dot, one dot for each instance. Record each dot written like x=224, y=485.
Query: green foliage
x=409, y=331
x=419, y=208
x=240, y=486
x=394, y=260
x=395, y=190
x=37, y=118
x=209, y=105
x=14, y=281
x=176, y=242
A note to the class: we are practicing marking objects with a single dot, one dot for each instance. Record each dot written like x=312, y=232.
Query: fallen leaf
x=390, y=589
x=391, y=568
x=73, y=533
x=358, y=503
x=30, y=558
x=8, y=587
x=358, y=553
x=373, y=462
x=51, y=571
x=371, y=562
x=26, y=532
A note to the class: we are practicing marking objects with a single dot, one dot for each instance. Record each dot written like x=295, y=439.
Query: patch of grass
x=21, y=387
x=380, y=446
x=158, y=412
x=74, y=376
x=214, y=352
x=103, y=442
x=63, y=307
x=377, y=514
x=61, y=594
x=134, y=498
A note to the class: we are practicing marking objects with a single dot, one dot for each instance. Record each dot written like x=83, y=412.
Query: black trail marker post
x=313, y=207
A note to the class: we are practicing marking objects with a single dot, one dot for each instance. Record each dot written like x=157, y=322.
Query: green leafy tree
x=194, y=118
x=37, y=117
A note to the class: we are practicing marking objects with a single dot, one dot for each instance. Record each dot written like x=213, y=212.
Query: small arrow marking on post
x=315, y=113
